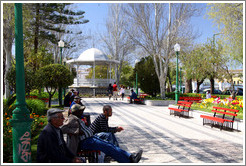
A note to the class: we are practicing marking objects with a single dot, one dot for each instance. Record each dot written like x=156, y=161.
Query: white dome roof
x=92, y=54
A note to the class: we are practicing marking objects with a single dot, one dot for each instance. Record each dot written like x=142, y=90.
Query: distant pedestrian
x=110, y=91
x=133, y=96
x=122, y=92
x=67, y=99
x=208, y=94
x=115, y=91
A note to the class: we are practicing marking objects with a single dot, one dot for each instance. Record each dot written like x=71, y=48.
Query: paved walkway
x=168, y=139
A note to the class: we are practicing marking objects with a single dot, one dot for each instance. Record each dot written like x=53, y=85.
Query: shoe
x=136, y=158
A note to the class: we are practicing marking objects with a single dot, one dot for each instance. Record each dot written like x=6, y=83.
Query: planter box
x=159, y=102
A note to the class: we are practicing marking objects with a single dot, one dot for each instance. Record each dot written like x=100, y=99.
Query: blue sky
x=96, y=13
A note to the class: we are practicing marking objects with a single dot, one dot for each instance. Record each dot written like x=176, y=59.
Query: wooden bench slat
x=227, y=113
x=227, y=109
x=213, y=118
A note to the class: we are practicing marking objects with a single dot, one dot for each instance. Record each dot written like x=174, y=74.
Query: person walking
x=110, y=91
x=115, y=91
x=122, y=92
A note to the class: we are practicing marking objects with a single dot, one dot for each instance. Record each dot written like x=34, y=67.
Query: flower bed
x=207, y=104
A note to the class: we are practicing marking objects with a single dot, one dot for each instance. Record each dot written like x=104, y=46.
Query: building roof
x=91, y=56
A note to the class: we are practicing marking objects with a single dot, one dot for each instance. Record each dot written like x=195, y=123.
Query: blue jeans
x=108, y=136
x=95, y=143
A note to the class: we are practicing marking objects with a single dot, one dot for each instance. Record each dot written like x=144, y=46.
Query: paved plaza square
x=167, y=139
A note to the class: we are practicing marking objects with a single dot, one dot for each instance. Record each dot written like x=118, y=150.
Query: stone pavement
x=167, y=139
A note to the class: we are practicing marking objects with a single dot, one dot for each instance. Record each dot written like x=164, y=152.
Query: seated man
x=133, y=96
x=51, y=146
x=81, y=136
x=101, y=129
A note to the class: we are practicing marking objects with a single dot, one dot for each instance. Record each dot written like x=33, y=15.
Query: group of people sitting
x=52, y=148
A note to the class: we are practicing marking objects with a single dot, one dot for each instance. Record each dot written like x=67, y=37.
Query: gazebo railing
x=90, y=82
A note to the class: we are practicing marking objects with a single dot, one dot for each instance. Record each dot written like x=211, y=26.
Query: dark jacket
x=48, y=149
x=67, y=101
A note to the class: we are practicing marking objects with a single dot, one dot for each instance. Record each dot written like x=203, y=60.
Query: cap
x=77, y=107
x=76, y=97
x=53, y=111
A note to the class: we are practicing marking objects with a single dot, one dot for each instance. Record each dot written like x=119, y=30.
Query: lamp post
x=177, y=49
x=136, y=61
x=180, y=79
x=60, y=45
x=21, y=122
x=64, y=62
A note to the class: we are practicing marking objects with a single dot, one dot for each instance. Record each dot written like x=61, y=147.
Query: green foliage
x=41, y=95
x=100, y=72
x=36, y=106
x=39, y=59
x=30, y=79
x=229, y=19
x=126, y=73
x=54, y=76
x=147, y=77
x=48, y=18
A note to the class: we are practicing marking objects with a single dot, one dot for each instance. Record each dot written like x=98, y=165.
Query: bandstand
x=92, y=57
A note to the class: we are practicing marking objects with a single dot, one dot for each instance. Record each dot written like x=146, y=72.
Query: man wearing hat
x=81, y=137
x=51, y=147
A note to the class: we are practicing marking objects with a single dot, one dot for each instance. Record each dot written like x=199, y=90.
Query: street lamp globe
x=136, y=61
x=177, y=47
x=64, y=59
x=61, y=44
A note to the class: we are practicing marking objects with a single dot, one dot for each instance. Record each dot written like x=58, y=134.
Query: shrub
x=36, y=106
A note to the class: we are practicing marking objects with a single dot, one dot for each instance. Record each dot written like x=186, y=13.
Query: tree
x=147, y=77
x=156, y=32
x=195, y=65
x=8, y=37
x=118, y=43
x=30, y=79
x=229, y=19
x=126, y=75
x=54, y=76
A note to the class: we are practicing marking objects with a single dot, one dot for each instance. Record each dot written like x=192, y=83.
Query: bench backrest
x=225, y=111
x=184, y=104
x=190, y=98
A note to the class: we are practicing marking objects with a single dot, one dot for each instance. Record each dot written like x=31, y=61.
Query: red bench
x=191, y=99
x=136, y=101
x=183, y=108
x=223, y=117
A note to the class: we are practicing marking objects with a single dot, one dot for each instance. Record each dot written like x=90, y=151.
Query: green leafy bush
x=36, y=106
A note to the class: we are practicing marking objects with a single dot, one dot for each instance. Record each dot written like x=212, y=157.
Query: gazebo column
x=77, y=69
x=94, y=73
x=110, y=71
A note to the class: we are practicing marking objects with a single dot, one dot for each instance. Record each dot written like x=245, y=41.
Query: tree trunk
x=188, y=86
x=8, y=52
x=212, y=85
x=198, y=86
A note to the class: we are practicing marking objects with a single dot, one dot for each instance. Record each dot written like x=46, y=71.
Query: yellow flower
x=201, y=106
x=10, y=131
